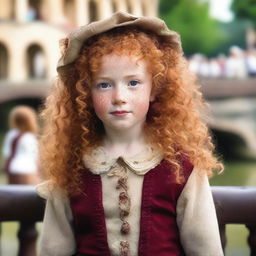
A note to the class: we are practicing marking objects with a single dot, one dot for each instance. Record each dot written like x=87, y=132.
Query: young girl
x=20, y=147
x=125, y=151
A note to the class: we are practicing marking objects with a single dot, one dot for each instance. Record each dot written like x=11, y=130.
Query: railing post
x=252, y=239
x=1, y=249
x=223, y=237
x=27, y=239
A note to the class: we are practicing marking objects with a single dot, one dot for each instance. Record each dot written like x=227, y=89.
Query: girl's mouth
x=120, y=113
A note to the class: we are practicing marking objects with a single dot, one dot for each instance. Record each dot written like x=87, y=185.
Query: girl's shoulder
x=48, y=190
x=29, y=136
x=29, y=141
x=11, y=134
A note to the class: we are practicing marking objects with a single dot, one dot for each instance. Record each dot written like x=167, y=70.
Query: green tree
x=167, y=6
x=199, y=32
x=245, y=9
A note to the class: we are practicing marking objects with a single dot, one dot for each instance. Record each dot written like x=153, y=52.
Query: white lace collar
x=99, y=162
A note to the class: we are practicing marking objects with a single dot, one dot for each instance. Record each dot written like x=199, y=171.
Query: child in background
x=124, y=150
x=20, y=147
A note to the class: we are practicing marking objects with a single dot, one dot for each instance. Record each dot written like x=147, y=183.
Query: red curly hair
x=71, y=127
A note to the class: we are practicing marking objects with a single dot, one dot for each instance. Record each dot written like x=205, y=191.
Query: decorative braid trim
x=124, y=248
x=120, y=170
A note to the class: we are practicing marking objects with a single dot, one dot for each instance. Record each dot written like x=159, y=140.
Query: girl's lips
x=120, y=113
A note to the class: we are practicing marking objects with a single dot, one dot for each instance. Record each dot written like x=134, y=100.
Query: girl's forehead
x=123, y=58
x=116, y=63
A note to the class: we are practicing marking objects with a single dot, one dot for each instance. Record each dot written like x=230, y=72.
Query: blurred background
x=219, y=41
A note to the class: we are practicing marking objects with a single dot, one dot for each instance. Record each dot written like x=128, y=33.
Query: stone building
x=30, y=31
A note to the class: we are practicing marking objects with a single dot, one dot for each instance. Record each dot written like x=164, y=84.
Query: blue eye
x=133, y=83
x=104, y=85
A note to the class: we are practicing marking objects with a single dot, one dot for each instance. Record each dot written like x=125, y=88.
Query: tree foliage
x=199, y=32
x=245, y=9
x=167, y=6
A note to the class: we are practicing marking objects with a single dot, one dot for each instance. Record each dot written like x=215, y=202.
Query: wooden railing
x=22, y=204
x=234, y=205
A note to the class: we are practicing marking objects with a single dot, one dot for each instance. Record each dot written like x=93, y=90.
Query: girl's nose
x=119, y=96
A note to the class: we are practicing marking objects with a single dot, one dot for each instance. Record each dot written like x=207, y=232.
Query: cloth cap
x=118, y=19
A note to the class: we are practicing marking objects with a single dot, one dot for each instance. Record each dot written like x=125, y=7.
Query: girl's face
x=121, y=92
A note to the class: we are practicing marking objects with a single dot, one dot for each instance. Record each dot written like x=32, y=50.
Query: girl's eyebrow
x=103, y=78
x=109, y=78
x=133, y=75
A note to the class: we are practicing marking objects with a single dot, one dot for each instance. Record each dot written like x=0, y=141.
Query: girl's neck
x=124, y=143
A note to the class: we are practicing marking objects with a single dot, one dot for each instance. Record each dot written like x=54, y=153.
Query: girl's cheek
x=142, y=108
x=100, y=105
x=142, y=101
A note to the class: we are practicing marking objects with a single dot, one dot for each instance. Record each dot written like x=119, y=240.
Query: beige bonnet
x=76, y=38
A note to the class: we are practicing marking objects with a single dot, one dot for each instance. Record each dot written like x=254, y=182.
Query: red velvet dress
x=159, y=234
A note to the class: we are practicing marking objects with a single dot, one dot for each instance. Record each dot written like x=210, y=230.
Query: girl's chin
x=122, y=127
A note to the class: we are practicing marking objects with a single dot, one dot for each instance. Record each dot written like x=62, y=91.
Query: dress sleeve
x=6, y=149
x=57, y=237
x=196, y=218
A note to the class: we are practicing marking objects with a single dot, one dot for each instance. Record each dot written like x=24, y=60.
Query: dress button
x=124, y=248
x=125, y=228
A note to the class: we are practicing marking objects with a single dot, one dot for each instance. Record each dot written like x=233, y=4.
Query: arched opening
x=129, y=6
x=3, y=62
x=229, y=145
x=36, y=62
x=114, y=6
x=69, y=11
x=34, y=10
x=93, y=13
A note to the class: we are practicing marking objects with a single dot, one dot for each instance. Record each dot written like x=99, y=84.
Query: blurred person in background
x=194, y=62
x=20, y=147
x=235, y=64
x=204, y=68
x=221, y=59
x=250, y=61
x=215, y=68
x=31, y=14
